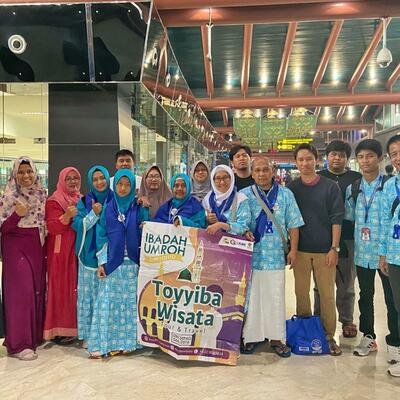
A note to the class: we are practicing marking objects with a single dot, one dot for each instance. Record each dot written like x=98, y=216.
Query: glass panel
x=56, y=33
x=119, y=33
x=24, y=127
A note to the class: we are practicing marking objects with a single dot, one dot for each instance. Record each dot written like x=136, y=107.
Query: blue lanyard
x=371, y=199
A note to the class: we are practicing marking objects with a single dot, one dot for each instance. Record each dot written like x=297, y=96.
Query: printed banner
x=191, y=292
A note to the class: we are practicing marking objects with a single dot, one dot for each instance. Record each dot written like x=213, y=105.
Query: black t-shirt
x=321, y=206
x=242, y=183
x=343, y=180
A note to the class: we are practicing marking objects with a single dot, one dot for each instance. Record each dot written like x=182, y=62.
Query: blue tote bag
x=306, y=336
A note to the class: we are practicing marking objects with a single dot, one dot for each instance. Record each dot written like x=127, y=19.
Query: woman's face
x=25, y=175
x=99, y=181
x=222, y=181
x=153, y=179
x=179, y=189
x=200, y=173
x=123, y=187
x=73, y=182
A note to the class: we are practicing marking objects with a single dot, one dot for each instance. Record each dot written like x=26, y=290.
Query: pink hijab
x=61, y=195
x=34, y=195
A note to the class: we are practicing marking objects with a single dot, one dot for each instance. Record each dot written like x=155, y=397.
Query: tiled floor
x=67, y=373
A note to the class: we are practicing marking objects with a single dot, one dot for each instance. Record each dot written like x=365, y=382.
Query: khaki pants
x=324, y=277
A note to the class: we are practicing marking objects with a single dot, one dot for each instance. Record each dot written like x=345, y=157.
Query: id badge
x=365, y=234
x=269, y=227
x=396, y=232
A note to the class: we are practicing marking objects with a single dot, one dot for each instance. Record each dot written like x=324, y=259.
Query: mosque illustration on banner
x=225, y=331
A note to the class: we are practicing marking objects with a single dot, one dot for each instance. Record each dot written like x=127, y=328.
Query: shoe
x=394, y=370
x=25, y=355
x=365, y=347
x=393, y=354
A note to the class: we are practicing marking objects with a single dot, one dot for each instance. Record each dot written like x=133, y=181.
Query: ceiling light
x=335, y=83
x=297, y=85
x=263, y=85
x=373, y=81
x=228, y=86
x=259, y=150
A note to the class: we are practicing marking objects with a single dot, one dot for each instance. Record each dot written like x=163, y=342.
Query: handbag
x=270, y=215
x=306, y=336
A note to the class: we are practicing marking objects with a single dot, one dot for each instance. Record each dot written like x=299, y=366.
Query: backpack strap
x=384, y=180
x=355, y=190
x=396, y=202
x=234, y=207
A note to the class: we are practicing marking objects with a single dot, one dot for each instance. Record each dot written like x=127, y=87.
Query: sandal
x=281, y=349
x=25, y=355
x=349, y=330
x=334, y=349
x=96, y=355
x=248, y=348
x=64, y=340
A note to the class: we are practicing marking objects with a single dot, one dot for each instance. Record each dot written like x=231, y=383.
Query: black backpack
x=355, y=191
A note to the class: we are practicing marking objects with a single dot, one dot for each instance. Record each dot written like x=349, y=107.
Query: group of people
x=71, y=261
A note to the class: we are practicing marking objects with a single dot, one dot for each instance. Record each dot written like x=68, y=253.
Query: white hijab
x=219, y=196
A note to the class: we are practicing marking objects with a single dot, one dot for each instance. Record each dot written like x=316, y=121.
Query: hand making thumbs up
x=96, y=207
x=21, y=208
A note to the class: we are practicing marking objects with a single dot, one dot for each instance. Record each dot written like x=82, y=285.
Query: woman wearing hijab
x=22, y=245
x=154, y=189
x=118, y=240
x=200, y=179
x=226, y=209
x=85, y=225
x=60, y=322
x=183, y=208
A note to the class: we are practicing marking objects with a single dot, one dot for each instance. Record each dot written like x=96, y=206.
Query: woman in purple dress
x=22, y=228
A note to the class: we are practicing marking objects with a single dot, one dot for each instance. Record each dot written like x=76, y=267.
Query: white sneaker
x=393, y=354
x=394, y=370
x=365, y=347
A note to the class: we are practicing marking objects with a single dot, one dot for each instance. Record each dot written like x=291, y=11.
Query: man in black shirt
x=321, y=206
x=240, y=156
x=338, y=154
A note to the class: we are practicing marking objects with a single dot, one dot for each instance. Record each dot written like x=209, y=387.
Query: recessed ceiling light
x=263, y=85
x=228, y=86
x=297, y=85
x=335, y=83
x=373, y=82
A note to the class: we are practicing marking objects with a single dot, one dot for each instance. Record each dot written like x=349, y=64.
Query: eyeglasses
x=72, y=178
x=153, y=177
x=222, y=178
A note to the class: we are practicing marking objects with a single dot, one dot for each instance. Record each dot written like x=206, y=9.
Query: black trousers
x=366, y=281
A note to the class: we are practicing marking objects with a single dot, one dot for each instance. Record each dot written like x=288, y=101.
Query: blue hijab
x=122, y=224
x=99, y=197
x=186, y=207
x=87, y=251
x=179, y=202
x=124, y=202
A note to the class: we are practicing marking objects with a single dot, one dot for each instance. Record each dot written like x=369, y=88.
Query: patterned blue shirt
x=268, y=253
x=388, y=246
x=365, y=251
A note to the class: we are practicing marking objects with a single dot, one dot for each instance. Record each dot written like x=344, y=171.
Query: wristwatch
x=337, y=249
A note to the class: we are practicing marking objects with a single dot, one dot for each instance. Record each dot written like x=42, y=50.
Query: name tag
x=365, y=234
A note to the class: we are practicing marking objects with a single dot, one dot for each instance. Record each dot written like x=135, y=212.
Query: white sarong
x=266, y=314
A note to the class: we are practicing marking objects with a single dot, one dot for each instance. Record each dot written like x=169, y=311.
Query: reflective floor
x=67, y=373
